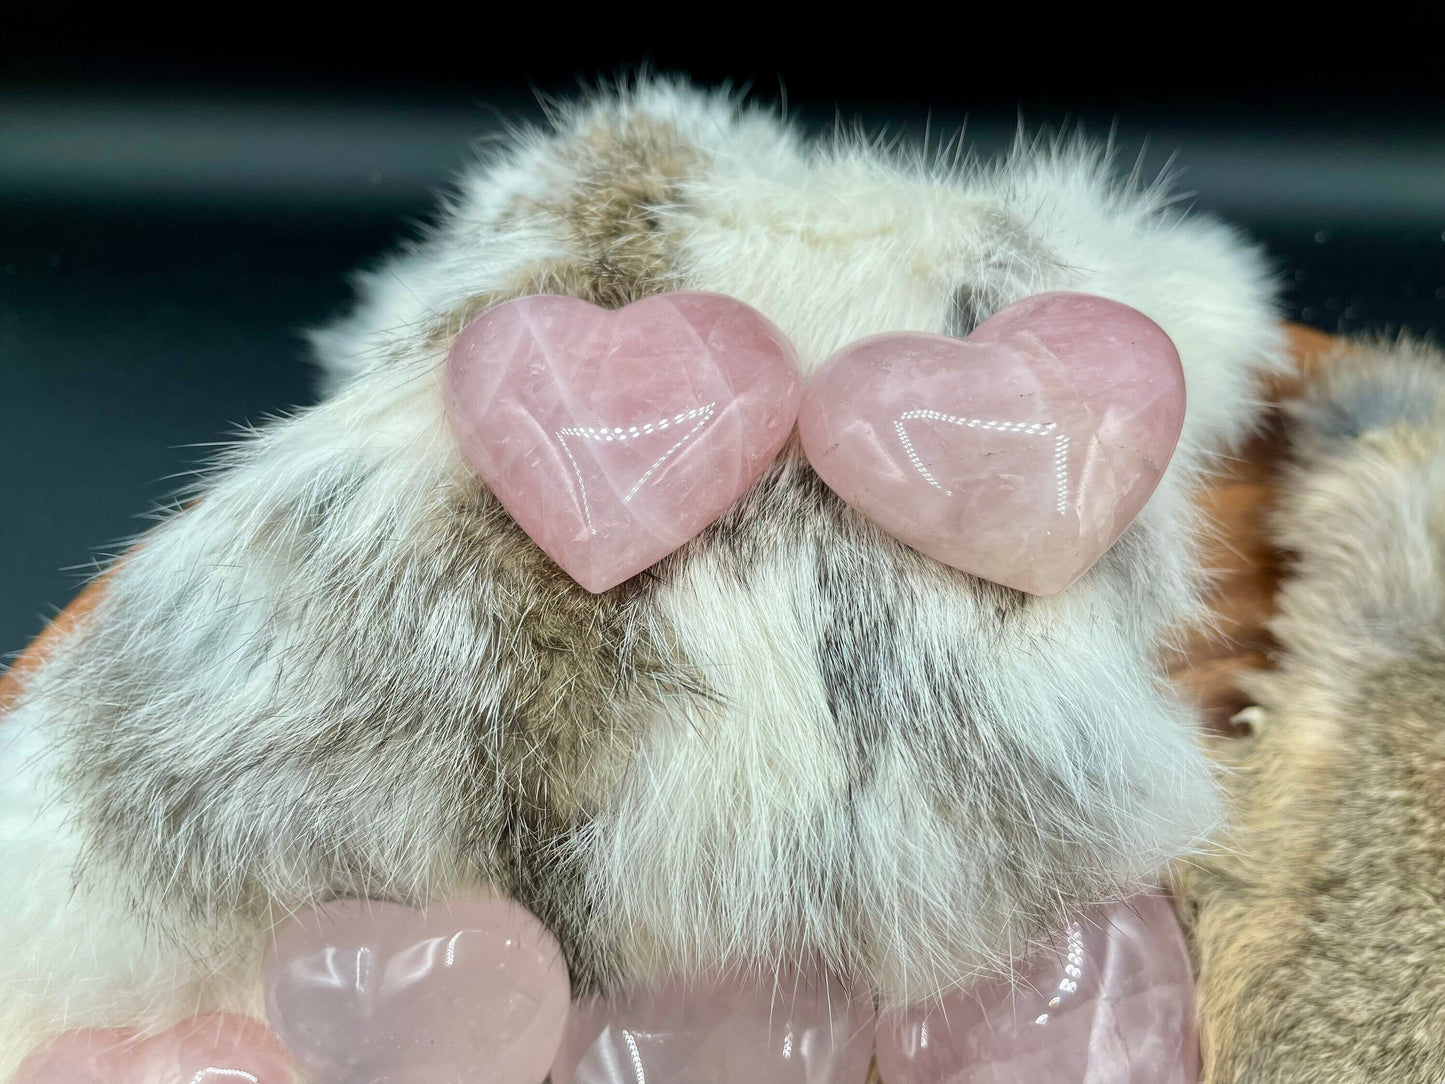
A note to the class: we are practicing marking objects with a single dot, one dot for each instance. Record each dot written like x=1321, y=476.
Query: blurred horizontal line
x=221, y=151
x=383, y=155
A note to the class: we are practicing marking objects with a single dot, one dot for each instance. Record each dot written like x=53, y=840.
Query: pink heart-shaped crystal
x=1111, y=1002
x=472, y=992
x=802, y=1030
x=614, y=437
x=1019, y=454
x=219, y=1048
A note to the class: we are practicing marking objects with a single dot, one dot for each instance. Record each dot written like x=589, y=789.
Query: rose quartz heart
x=87, y=1056
x=474, y=992
x=1019, y=454
x=214, y=1049
x=720, y=1031
x=1111, y=1002
x=614, y=437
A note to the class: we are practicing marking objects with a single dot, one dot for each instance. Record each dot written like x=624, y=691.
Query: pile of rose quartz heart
x=476, y=992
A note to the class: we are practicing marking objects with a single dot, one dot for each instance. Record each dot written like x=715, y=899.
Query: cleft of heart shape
x=1019, y=454
x=613, y=437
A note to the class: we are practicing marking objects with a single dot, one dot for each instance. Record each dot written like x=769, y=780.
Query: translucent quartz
x=1111, y=1002
x=375, y=993
x=1019, y=454
x=614, y=437
x=474, y=992
x=212, y=1049
x=720, y=1031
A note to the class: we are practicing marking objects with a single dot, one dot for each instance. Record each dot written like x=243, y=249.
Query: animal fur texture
x=343, y=670
x=1319, y=926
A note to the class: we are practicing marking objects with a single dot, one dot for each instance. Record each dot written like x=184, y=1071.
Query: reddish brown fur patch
x=609, y=218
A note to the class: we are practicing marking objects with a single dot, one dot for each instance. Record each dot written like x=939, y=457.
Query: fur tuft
x=1317, y=926
x=344, y=670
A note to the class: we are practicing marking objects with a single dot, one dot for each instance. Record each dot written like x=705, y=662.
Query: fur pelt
x=343, y=670
x=1318, y=924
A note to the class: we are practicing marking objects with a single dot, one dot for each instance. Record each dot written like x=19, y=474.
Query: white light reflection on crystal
x=1073, y=971
x=1061, y=471
x=1031, y=429
x=616, y=434
x=636, y=1056
x=363, y=957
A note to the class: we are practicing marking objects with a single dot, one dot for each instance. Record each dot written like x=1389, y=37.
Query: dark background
x=182, y=191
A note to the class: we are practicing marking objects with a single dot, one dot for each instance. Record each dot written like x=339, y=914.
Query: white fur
x=734, y=816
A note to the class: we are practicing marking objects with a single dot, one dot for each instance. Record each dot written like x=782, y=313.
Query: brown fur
x=1319, y=927
x=609, y=215
x=536, y=768
x=343, y=671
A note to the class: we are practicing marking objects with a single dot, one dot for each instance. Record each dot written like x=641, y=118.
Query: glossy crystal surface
x=471, y=992
x=615, y=436
x=802, y=1030
x=1019, y=454
x=219, y=1048
x=1110, y=1002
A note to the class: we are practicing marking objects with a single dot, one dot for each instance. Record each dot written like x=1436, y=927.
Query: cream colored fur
x=817, y=742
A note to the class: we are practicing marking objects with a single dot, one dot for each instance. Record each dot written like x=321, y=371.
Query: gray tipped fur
x=344, y=671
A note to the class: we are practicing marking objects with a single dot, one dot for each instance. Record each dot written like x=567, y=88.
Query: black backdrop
x=182, y=191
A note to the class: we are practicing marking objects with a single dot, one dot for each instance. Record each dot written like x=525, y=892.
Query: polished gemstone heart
x=1110, y=1002
x=473, y=992
x=1018, y=454
x=614, y=437
x=219, y=1048
x=800, y=1030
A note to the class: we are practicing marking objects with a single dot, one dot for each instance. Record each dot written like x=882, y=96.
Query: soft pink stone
x=217, y=1049
x=1112, y=1002
x=720, y=1031
x=220, y=1048
x=1019, y=454
x=475, y=992
x=89, y=1056
x=614, y=437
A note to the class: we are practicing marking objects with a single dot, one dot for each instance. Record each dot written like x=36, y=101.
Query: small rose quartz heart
x=1110, y=1002
x=614, y=437
x=472, y=992
x=1018, y=454
x=802, y=1029
x=219, y=1048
